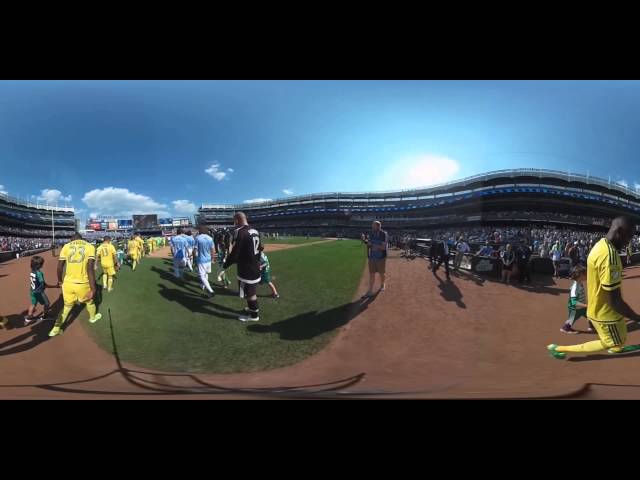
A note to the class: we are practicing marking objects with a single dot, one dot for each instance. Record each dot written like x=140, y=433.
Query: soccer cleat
x=96, y=318
x=382, y=289
x=110, y=290
x=625, y=349
x=554, y=353
x=248, y=318
x=275, y=296
x=55, y=331
x=366, y=295
x=3, y=322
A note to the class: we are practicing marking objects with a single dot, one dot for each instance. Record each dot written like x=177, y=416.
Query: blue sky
x=119, y=148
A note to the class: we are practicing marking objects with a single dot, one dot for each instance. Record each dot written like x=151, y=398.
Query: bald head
x=240, y=219
x=621, y=231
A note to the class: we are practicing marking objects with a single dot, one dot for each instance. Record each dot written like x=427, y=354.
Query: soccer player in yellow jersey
x=606, y=309
x=140, y=245
x=109, y=262
x=133, y=250
x=77, y=276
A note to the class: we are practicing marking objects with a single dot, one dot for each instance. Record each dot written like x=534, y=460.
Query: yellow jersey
x=604, y=274
x=140, y=244
x=76, y=255
x=106, y=252
x=133, y=247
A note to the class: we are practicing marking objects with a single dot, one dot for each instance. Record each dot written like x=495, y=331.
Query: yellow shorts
x=134, y=256
x=111, y=271
x=612, y=334
x=75, y=292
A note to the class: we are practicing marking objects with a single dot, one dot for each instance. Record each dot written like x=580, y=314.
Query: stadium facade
x=518, y=196
x=26, y=219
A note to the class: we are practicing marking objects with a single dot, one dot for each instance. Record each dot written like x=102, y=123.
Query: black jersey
x=245, y=254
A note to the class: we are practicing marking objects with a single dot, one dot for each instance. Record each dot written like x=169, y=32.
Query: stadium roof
x=26, y=203
x=518, y=172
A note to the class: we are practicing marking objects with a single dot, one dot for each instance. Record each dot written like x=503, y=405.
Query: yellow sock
x=63, y=316
x=91, y=308
x=589, y=347
x=134, y=265
x=104, y=280
x=110, y=283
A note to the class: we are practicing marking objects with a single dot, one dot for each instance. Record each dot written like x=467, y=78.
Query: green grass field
x=291, y=240
x=162, y=323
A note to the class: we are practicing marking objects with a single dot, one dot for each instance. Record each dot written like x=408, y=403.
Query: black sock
x=253, y=306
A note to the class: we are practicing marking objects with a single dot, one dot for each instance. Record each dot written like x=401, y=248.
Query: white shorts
x=180, y=262
x=204, y=268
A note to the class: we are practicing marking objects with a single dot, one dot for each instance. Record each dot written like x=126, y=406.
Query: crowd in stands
x=490, y=241
x=21, y=244
x=27, y=232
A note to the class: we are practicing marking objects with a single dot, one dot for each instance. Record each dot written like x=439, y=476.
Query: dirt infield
x=423, y=337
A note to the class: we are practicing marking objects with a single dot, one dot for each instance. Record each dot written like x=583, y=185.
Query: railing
x=26, y=203
x=539, y=172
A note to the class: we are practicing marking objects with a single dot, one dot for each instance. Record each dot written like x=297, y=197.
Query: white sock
x=204, y=278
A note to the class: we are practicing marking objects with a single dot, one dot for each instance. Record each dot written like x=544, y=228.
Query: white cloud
x=623, y=183
x=420, y=171
x=636, y=186
x=2, y=190
x=120, y=201
x=184, y=207
x=53, y=196
x=257, y=200
x=214, y=171
x=287, y=191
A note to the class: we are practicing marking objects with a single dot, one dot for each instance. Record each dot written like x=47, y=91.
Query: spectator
x=486, y=250
x=524, y=254
x=508, y=258
x=462, y=247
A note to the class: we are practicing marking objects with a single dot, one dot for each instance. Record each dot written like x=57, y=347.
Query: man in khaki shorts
x=377, y=254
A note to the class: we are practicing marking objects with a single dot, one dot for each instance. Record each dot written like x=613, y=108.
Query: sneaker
x=555, y=354
x=55, y=331
x=248, y=318
x=96, y=318
x=568, y=329
x=29, y=320
x=382, y=288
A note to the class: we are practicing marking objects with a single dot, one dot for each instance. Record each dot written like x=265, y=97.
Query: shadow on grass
x=312, y=324
x=196, y=303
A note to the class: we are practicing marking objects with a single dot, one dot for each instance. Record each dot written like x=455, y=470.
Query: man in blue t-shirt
x=179, y=252
x=377, y=253
x=205, y=251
